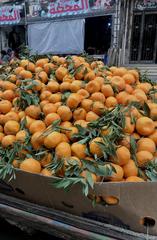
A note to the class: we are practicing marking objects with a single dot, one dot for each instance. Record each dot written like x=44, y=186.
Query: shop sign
x=145, y=4
x=73, y=7
x=9, y=15
x=101, y=4
x=66, y=7
x=57, y=8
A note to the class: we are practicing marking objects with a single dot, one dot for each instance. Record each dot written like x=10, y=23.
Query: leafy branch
x=7, y=155
x=55, y=126
x=144, y=78
x=25, y=98
x=151, y=170
x=73, y=170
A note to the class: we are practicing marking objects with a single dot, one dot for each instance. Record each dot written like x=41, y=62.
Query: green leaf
x=30, y=86
x=144, y=78
x=85, y=189
x=66, y=183
x=52, y=74
x=23, y=124
x=133, y=104
x=152, y=175
x=83, y=141
x=96, y=70
x=146, y=109
x=56, y=123
x=89, y=179
x=71, y=68
x=133, y=145
x=89, y=165
x=78, y=69
x=61, y=183
x=104, y=171
x=27, y=99
x=151, y=170
x=29, y=155
x=94, y=202
x=133, y=120
x=85, y=71
x=65, y=96
x=152, y=94
x=107, y=146
x=115, y=89
x=56, y=165
x=87, y=151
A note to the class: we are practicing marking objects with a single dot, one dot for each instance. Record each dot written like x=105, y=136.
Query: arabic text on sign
x=9, y=14
x=62, y=6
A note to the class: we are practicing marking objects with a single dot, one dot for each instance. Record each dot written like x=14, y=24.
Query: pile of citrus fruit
x=77, y=119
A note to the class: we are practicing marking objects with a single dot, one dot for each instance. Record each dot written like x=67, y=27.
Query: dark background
x=10, y=232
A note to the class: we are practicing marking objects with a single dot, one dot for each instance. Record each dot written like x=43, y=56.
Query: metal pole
x=1, y=38
x=25, y=12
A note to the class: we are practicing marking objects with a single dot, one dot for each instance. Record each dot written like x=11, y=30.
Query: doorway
x=12, y=37
x=98, y=34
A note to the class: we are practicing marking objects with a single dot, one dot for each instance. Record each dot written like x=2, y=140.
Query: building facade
x=31, y=18
x=138, y=32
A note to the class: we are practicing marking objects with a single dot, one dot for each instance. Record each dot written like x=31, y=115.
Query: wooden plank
x=64, y=220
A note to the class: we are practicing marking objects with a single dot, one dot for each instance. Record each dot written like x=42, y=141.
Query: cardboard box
x=136, y=200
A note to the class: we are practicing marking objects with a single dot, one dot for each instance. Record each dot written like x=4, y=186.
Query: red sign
x=67, y=6
x=9, y=15
x=72, y=7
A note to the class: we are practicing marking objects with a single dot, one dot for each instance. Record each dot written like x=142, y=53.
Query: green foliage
x=23, y=124
x=65, y=96
x=108, y=148
x=24, y=52
x=71, y=65
x=53, y=75
x=146, y=109
x=73, y=171
x=7, y=155
x=151, y=170
x=144, y=78
x=55, y=126
x=88, y=58
x=25, y=98
x=152, y=94
x=67, y=183
x=133, y=149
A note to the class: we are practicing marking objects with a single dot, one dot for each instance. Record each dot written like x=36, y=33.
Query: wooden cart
x=29, y=216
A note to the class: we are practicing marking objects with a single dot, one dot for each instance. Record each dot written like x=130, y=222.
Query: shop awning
x=62, y=37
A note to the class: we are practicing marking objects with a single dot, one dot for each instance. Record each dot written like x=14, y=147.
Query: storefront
x=139, y=32
x=12, y=26
x=63, y=26
x=71, y=26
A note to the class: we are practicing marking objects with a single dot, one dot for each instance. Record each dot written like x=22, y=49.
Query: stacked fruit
x=77, y=119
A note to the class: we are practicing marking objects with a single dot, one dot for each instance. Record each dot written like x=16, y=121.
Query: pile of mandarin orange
x=77, y=92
